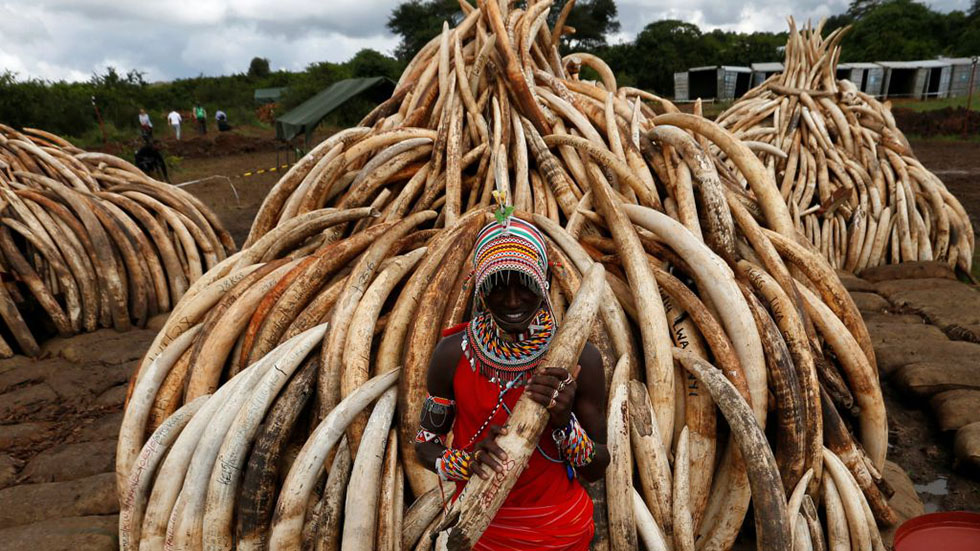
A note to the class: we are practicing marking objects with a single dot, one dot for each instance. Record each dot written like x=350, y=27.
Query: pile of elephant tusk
x=738, y=366
x=87, y=240
x=852, y=183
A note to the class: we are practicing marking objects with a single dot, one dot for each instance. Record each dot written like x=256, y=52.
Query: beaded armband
x=574, y=443
x=454, y=465
x=423, y=436
x=436, y=419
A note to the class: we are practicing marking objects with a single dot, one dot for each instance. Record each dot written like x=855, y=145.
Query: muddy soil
x=222, y=184
x=918, y=446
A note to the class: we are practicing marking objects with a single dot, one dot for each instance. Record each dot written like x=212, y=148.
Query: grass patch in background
x=942, y=103
x=709, y=108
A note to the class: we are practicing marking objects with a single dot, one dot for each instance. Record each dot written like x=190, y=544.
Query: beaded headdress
x=513, y=248
x=508, y=247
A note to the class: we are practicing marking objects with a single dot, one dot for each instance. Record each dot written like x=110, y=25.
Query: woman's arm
x=590, y=409
x=438, y=410
x=586, y=398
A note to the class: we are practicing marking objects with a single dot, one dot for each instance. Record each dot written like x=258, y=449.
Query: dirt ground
x=916, y=444
x=221, y=184
x=232, y=173
x=957, y=163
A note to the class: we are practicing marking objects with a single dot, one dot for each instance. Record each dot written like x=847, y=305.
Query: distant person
x=222, y=119
x=151, y=162
x=174, y=119
x=146, y=126
x=202, y=119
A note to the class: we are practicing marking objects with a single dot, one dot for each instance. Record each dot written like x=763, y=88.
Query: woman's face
x=513, y=305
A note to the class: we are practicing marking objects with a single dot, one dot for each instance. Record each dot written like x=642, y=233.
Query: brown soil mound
x=940, y=122
x=218, y=145
x=194, y=146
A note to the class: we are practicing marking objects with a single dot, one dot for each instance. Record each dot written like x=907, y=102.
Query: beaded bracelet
x=574, y=443
x=454, y=465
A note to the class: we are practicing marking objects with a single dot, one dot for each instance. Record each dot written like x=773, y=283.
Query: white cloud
x=72, y=39
x=741, y=16
x=230, y=49
x=745, y=16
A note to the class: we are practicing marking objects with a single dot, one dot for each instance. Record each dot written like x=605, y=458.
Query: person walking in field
x=146, y=126
x=202, y=119
x=174, y=119
x=476, y=375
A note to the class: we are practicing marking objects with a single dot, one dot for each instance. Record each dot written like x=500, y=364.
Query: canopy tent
x=268, y=95
x=307, y=115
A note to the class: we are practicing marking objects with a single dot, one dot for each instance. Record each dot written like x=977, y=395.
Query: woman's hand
x=554, y=389
x=487, y=455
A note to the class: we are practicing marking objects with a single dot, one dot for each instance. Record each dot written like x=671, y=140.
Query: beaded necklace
x=505, y=360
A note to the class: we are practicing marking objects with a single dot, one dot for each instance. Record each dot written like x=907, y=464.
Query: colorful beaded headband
x=514, y=248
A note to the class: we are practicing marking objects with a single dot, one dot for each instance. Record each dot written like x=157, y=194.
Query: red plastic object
x=952, y=531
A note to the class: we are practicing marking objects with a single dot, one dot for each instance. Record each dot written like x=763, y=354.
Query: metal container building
x=868, y=77
x=937, y=74
x=762, y=71
x=928, y=78
x=721, y=82
x=959, y=82
x=680, y=87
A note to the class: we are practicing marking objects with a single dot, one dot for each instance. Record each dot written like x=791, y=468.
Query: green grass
x=92, y=139
x=933, y=104
x=710, y=109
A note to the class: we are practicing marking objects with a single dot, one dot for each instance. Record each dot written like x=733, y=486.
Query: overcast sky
x=71, y=39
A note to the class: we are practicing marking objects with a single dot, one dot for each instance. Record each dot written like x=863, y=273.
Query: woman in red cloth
x=477, y=373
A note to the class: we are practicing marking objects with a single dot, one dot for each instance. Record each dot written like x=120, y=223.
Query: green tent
x=268, y=95
x=305, y=117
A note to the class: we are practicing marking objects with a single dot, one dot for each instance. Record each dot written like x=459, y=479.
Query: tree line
x=69, y=108
x=880, y=30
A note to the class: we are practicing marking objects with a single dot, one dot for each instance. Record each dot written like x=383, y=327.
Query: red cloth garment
x=545, y=509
